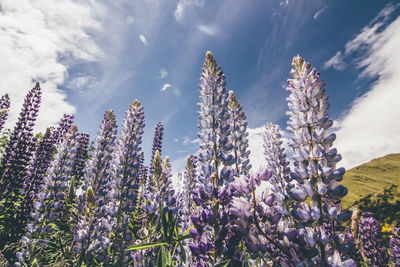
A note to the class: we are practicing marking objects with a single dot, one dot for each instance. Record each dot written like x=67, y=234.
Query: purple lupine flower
x=49, y=206
x=82, y=154
x=371, y=241
x=4, y=107
x=395, y=247
x=15, y=163
x=125, y=181
x=157, y=141
x=275, y=156
x=238, y=136
x=213, y=193
x=315, y=159
x=63, y=127
x=168, y=195
x=34, y=180
x=159, y=193
x=214, y=155
x=256, y=218
x=57, y=180
x=94, y=226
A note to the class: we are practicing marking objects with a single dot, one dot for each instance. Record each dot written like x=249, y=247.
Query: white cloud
x=82, y=82
x=40, y=40
x=284, y=3
x=371, y=127
x=336, y=62
x=208, y=29
x=186, y=140
x=319, y=12
x=183, y=5
x=368, y=33
x=143, y=39
x=165, y=87
x=257, y=158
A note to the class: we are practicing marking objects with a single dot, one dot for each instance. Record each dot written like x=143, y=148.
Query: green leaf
x=146, y=245
x=222, y=264
x=184, y=237
x=187, y=231
x=162, y=258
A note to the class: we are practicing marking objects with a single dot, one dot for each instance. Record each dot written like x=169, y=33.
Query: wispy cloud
x=336, y=62
x=165, y=87
x=284, y=2
x=182, y=7
x=143, y=39
x=208, y=29
x=82, y=82
x=319, y=12
x=186, y=140
x=41, y=40
x=370, y=128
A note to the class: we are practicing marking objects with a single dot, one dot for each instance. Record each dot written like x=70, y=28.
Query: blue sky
x=96, y=55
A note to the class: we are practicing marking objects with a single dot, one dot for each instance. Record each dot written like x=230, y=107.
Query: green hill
x=375, y=186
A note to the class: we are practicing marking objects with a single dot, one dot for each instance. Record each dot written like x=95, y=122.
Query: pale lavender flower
x=125, y=181
x=238, y=136
x=94, y=225
x=214, y=155
x=49, y=204
x=315, y=158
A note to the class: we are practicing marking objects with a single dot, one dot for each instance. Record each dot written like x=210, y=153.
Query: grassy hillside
x=369, y=180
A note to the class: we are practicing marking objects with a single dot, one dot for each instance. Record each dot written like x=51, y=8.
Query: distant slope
x=372, y=178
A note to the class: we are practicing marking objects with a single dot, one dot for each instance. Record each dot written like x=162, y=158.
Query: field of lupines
x=64, y=202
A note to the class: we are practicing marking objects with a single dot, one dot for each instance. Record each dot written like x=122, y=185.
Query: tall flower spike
x=82, y=154
x=315, y=159
x=277, y=162
x=157, y=140
x=238, y=136
x=34, y=180
x=63, y=127
x=214, y=155
x=125, y=173
x=372, y=243
x=15, y=163
x=94, y=226
x=50, y=203
x=4, y=107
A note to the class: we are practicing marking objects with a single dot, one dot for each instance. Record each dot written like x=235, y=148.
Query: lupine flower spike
x=238, y=136
x=315, y=162
x=125, y=181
